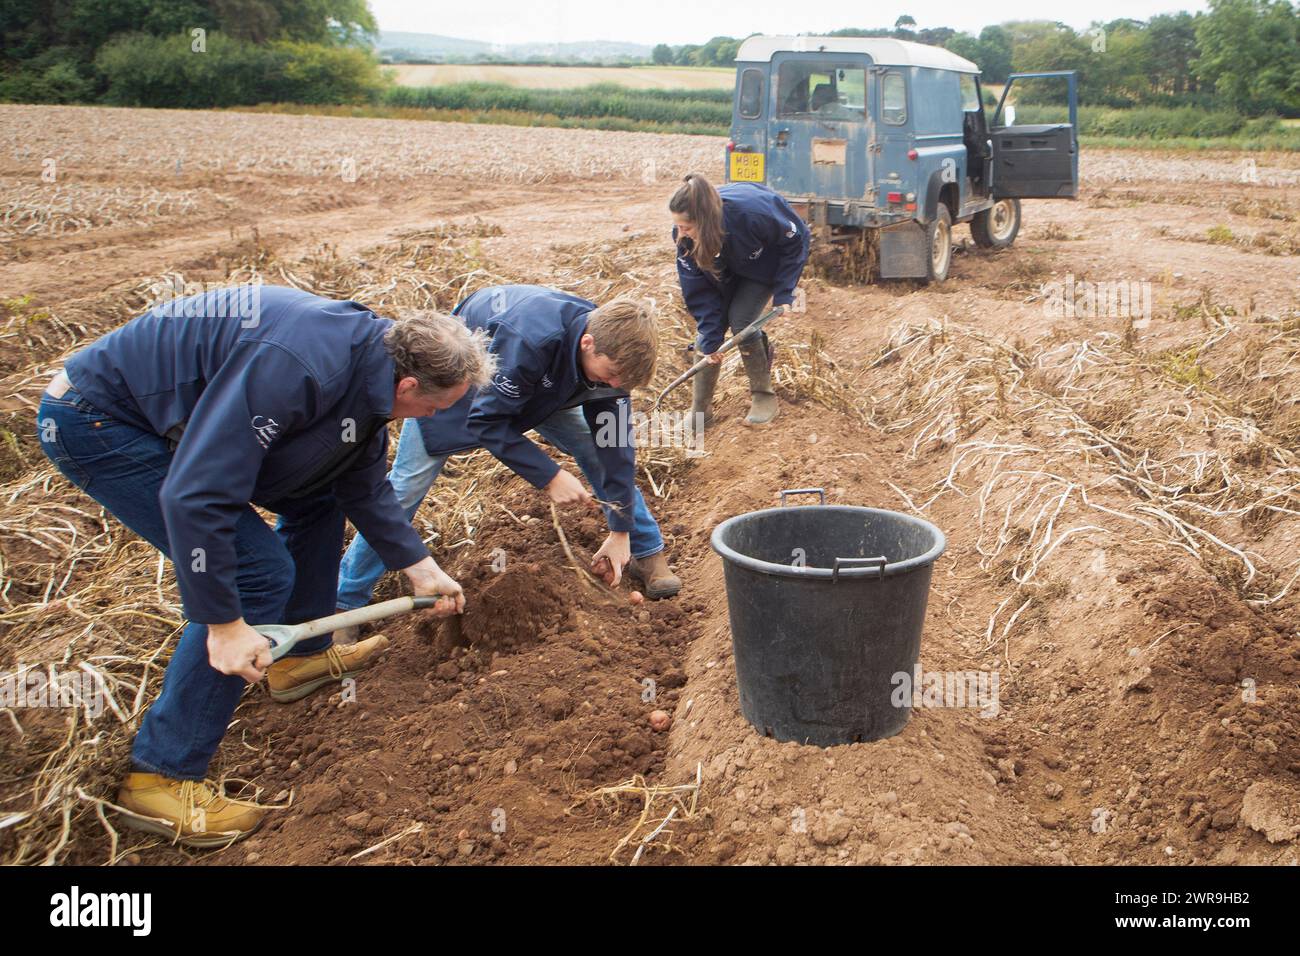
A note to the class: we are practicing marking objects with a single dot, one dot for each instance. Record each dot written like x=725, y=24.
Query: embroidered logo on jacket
x=506, y=387
x=756, y=253
x=265, y=429
x=546, y=382
x=794, y=229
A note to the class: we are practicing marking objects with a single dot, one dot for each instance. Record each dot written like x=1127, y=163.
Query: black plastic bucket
x=827, y=603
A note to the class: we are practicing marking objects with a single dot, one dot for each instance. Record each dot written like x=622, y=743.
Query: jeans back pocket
x=52, y=418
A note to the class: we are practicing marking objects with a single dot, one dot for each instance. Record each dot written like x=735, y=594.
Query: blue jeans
x=414, y=471
x=284, y=576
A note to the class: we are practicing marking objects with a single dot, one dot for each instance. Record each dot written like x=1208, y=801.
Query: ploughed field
x=1103, y=420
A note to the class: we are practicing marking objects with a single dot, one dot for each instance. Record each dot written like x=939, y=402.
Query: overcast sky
x=693, y=21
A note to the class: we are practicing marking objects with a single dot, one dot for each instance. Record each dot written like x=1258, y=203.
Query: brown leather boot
x=293, y=678
x=191, y=812
x=654, y=576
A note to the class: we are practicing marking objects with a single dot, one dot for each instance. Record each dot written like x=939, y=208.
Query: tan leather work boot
x=190, y=812
x=347, y=635
x=293, y=678
x=654, y=575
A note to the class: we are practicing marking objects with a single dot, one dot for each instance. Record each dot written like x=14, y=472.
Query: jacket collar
x=380, y=373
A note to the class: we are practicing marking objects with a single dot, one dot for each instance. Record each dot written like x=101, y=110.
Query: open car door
x=1039, y=161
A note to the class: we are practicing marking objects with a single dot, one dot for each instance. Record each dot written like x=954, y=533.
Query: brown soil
x=508, y=724
x=1078, y=467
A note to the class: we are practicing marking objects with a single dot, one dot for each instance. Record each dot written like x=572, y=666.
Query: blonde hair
x=624, y=331
x=698, y=201
x=439, y=352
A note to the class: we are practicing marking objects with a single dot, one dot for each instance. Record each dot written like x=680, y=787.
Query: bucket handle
x=879, y=563
x=819, y=492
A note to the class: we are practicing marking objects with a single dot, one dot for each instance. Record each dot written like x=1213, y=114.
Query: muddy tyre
x=997, y=226
x=938, y=240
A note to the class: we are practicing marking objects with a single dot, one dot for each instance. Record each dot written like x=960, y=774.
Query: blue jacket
x=535, y=333
x=280, y=393
x=765, y=240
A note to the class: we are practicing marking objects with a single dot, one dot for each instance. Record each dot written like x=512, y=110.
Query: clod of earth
x=831, y=830
x=555, y=703
x=1273, y=810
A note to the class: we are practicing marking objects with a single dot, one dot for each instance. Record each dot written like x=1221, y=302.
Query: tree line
x=187, y=53
x=1239, y=54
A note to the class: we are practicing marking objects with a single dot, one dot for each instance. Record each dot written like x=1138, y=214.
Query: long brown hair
x=698, y=201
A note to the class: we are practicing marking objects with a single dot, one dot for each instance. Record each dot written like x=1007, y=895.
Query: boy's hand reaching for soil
x=429, y=580
x=613, y=556
x=565, y=489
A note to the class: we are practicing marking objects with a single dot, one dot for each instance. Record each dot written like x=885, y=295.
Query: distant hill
x=400, y=47
x=430, y=44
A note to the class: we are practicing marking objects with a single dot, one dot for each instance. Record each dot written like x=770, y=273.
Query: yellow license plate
x=746, y=167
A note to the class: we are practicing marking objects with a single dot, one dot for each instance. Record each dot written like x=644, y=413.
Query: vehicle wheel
x=938, y=235
x=997, y=226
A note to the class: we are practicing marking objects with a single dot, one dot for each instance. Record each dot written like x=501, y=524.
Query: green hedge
x=52, y=77
x=58, y=83
x=142, y=70
x=1153, y=122
x=710, y=108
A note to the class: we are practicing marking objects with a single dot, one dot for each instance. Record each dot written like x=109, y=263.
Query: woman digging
x=737, y=247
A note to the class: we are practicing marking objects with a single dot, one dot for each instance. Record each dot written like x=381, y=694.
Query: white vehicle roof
x=882, y=50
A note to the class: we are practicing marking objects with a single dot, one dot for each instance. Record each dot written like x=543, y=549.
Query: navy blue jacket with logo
x=274, y=393
x=765, y=240
x=535, y=333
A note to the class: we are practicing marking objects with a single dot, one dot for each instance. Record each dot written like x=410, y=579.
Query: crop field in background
x=1118, y=480
x=565, y=77
x=687, y=111
x=605, y=99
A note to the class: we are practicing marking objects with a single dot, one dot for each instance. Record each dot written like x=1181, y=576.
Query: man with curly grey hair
x=181, y=423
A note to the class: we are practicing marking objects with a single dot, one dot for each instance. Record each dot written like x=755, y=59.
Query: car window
x=970, y=100
x=821, y=88
x=751, y=94
x=893, y=99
